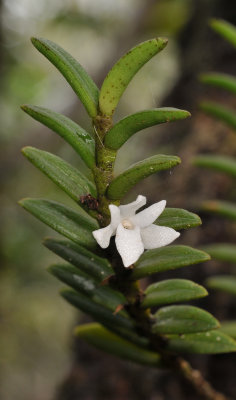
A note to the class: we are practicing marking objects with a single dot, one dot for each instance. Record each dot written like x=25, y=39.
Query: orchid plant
x=140, y=324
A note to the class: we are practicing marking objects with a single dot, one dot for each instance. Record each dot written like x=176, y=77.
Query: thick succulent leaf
x=213, y=342
x=229, y=328
x=68, y=178
x=218, y=163
x=222, y=251
x=109, y=342
x=75, y=225
x=177, y=218
x=74, y=73
x=125, y=128
x=125, y=181
x=183, y=319
x=76, y=136
x=82, y=282
x=97, y=267
x=172, y=291
x=223, y=113
x=167, y=258
x=224, y=208
x=225, y=283
x=123, y=71
x=129, y=334
x=224, y=81
x=97, y=311
x=225, y=29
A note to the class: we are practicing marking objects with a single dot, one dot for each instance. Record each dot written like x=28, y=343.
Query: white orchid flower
x=135, y=232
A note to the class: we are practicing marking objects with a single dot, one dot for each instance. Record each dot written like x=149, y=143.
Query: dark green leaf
x=178, y=218
x=129, y=334
x=223, y=113
x=123, y=71
x=213, y=342
x=109, y=342
x=99, y=268
x=82, y=282
x=222, y=251
x=76, y=136
x=172, y=291
x=225, y=283
x=223, y=81
x=98, y=312
x=223, y=208
x=183, y=319
x=75, y=225
x=218, y=163
x=125, y=128
x=125, y=181
x=61, y=173
x=225, y=29
x=74, y=73
x=229, y=328
x=167, y=258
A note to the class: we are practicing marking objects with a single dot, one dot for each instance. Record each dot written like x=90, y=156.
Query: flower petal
x=149, y=215
x=158, y=236
x=129, y=244
x=103, y=235
x=115, y=216
x=130, y=209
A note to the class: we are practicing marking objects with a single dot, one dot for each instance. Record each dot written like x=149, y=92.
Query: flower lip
x=127, y=224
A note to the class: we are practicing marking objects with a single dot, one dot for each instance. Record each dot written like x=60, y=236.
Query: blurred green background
x=36, y=324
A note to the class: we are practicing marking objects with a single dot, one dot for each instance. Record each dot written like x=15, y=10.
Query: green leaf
x=225, y=29
x=125, y=181
x=125, y=128
x=74, y=73
x=167, y=258
x=109, y=342
x=217, y=162
x=222, y=251
x=224, y=114
x=75, y=225
x=83, y=282
x=183, y=319
x=99, y=268
x=223, y=81
x=123, y=71
x=172, y=291
x=76, y=136
x=225, y=283
x=229, y=328
x=224, y=208
x=68, y=178
x=97, y=311
x=178, y=218
x=213, y=342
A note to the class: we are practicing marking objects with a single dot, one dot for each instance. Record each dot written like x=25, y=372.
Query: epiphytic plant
x=106, y=286
x=225, y=164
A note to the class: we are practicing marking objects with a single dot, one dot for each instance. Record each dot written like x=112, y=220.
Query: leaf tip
x=162, y=40
x=24, y=107
x=34, y=40
x=23, y=201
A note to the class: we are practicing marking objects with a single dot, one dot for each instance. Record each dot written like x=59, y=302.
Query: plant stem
x=103, y=172
x=195, y=378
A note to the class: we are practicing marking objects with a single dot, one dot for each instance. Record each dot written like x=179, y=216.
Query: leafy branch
x=102, y=286
x=225, y=252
